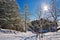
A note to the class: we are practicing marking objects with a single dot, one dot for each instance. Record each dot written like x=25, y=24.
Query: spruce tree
x=9, y=14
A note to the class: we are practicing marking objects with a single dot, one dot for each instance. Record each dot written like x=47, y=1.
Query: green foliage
x=43, y=23
x=9, y=15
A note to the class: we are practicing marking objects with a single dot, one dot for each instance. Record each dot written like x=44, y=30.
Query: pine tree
x=9, y=14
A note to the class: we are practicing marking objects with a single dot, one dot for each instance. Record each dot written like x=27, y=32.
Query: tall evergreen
x=9, y=15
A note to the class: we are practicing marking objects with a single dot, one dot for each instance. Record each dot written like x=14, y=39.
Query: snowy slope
x=6, y=34
x=51, y=36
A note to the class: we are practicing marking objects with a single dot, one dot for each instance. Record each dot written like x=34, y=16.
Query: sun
x=45, y=7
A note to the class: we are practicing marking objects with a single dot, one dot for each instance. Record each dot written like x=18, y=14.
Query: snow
x=6, y=34
x=58, y=27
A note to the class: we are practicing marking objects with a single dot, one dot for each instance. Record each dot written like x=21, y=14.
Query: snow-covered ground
x=6, y=34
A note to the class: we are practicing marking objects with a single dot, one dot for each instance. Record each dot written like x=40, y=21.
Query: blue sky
x=33, y=5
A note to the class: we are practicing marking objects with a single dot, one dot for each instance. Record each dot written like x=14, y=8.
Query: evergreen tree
x=9, y=15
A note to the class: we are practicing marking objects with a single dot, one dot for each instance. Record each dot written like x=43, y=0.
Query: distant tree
x=54, y=12
x=26, y=17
